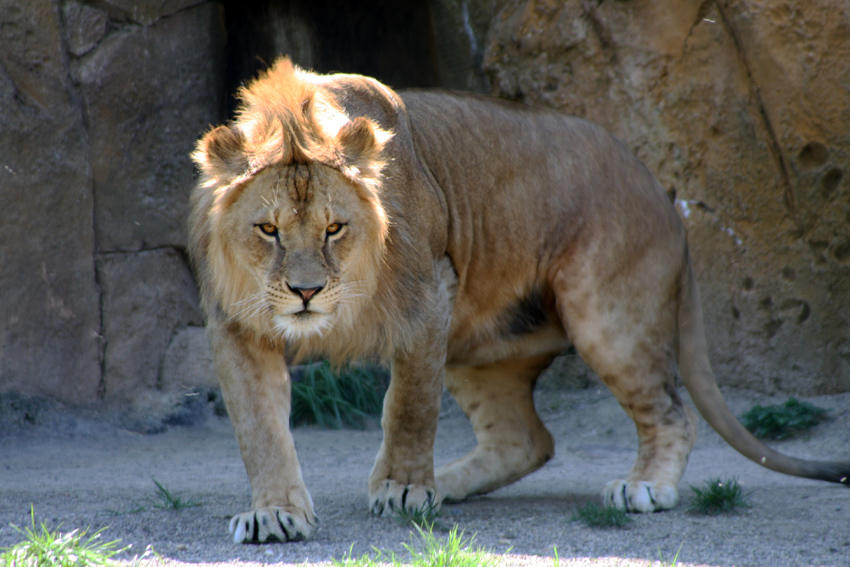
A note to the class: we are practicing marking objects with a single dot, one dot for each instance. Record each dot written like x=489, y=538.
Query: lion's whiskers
x=251, y=306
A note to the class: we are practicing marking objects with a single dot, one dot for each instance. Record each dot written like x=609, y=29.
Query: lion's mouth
x=302, y=324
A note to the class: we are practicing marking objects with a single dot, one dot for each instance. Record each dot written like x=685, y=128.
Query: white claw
x=238, y=529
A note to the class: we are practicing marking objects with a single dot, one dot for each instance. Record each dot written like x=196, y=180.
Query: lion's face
x=304, y=245
x=288, y=229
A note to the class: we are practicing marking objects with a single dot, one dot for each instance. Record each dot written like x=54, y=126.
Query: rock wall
x=742, y=109
x=100, y=105
x=49, y=311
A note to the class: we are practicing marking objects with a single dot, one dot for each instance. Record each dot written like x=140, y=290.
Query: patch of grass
x=44, y=548
x=134, y=509
x=167, y=500
x=454, y=550
x=675, y=557
x=719, y=497
x=349, y=398
x=364, y=560
x=595, y=516
x=782, y=421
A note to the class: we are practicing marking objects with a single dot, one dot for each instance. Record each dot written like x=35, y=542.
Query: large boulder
x=187, y=363
x=149, y=299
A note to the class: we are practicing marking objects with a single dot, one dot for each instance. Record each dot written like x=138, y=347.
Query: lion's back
x=542, y=176
x=487, y=151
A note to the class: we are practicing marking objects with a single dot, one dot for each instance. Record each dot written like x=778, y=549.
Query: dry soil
x=79, y=473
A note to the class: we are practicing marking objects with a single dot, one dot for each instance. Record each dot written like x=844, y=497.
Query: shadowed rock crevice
x=789, y=196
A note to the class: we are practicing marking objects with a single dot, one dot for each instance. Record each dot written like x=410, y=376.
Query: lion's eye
x=267, y=228
x=333, y=228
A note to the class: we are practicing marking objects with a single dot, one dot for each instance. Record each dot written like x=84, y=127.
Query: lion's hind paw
x=273, y=524
x=394, y=498
x=639, y=496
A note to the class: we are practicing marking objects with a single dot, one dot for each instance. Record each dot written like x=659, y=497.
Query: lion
x=466, y=240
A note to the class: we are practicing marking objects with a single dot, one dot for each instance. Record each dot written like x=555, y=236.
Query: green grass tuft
x=452, y=551
x=595, y=516
x=675, y=562
x=782, y=421
x=167, y=500
x=364, y=560
x=132, y=509
x=44, y=548
x=719, y=497
x=348, y=399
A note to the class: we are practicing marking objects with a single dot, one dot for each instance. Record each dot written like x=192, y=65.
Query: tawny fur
x=467, y=241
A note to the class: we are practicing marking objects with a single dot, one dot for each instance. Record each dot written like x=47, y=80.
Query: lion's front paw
x=273, y=524
x=392, y=498
x=640, y=496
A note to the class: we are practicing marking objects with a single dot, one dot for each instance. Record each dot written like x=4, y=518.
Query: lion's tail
x=699, y=379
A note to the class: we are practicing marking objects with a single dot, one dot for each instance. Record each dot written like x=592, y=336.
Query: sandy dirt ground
x=81, y=473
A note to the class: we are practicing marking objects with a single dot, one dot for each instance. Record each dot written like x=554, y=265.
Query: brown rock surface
x=187, y=362
x=743, y=112
x=149, y=92
x=100, y=105
x=49, y=315
x=147, y=298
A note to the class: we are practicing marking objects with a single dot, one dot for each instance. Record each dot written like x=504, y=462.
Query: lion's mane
x=288, y=116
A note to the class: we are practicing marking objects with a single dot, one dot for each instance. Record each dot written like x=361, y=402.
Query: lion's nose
x=305, y=292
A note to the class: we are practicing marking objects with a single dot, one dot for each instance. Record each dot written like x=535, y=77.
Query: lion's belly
x=550, y=342
x=476, y=340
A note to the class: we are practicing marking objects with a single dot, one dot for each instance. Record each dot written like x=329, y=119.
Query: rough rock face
x=149, y=91
x=141, y=315
x=742, y=110
x=100, y=105
x=49, y=319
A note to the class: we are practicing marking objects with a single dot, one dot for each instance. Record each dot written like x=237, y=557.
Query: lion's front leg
x=256, y=388
x=403, y=476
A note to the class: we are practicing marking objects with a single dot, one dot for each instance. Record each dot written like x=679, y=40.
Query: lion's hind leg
x=666, y=429
x=666, y=433
x=625, y=330
x=512, y=441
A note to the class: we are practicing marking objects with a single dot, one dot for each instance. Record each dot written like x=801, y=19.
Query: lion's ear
x=221, y=153
x=362, y=142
